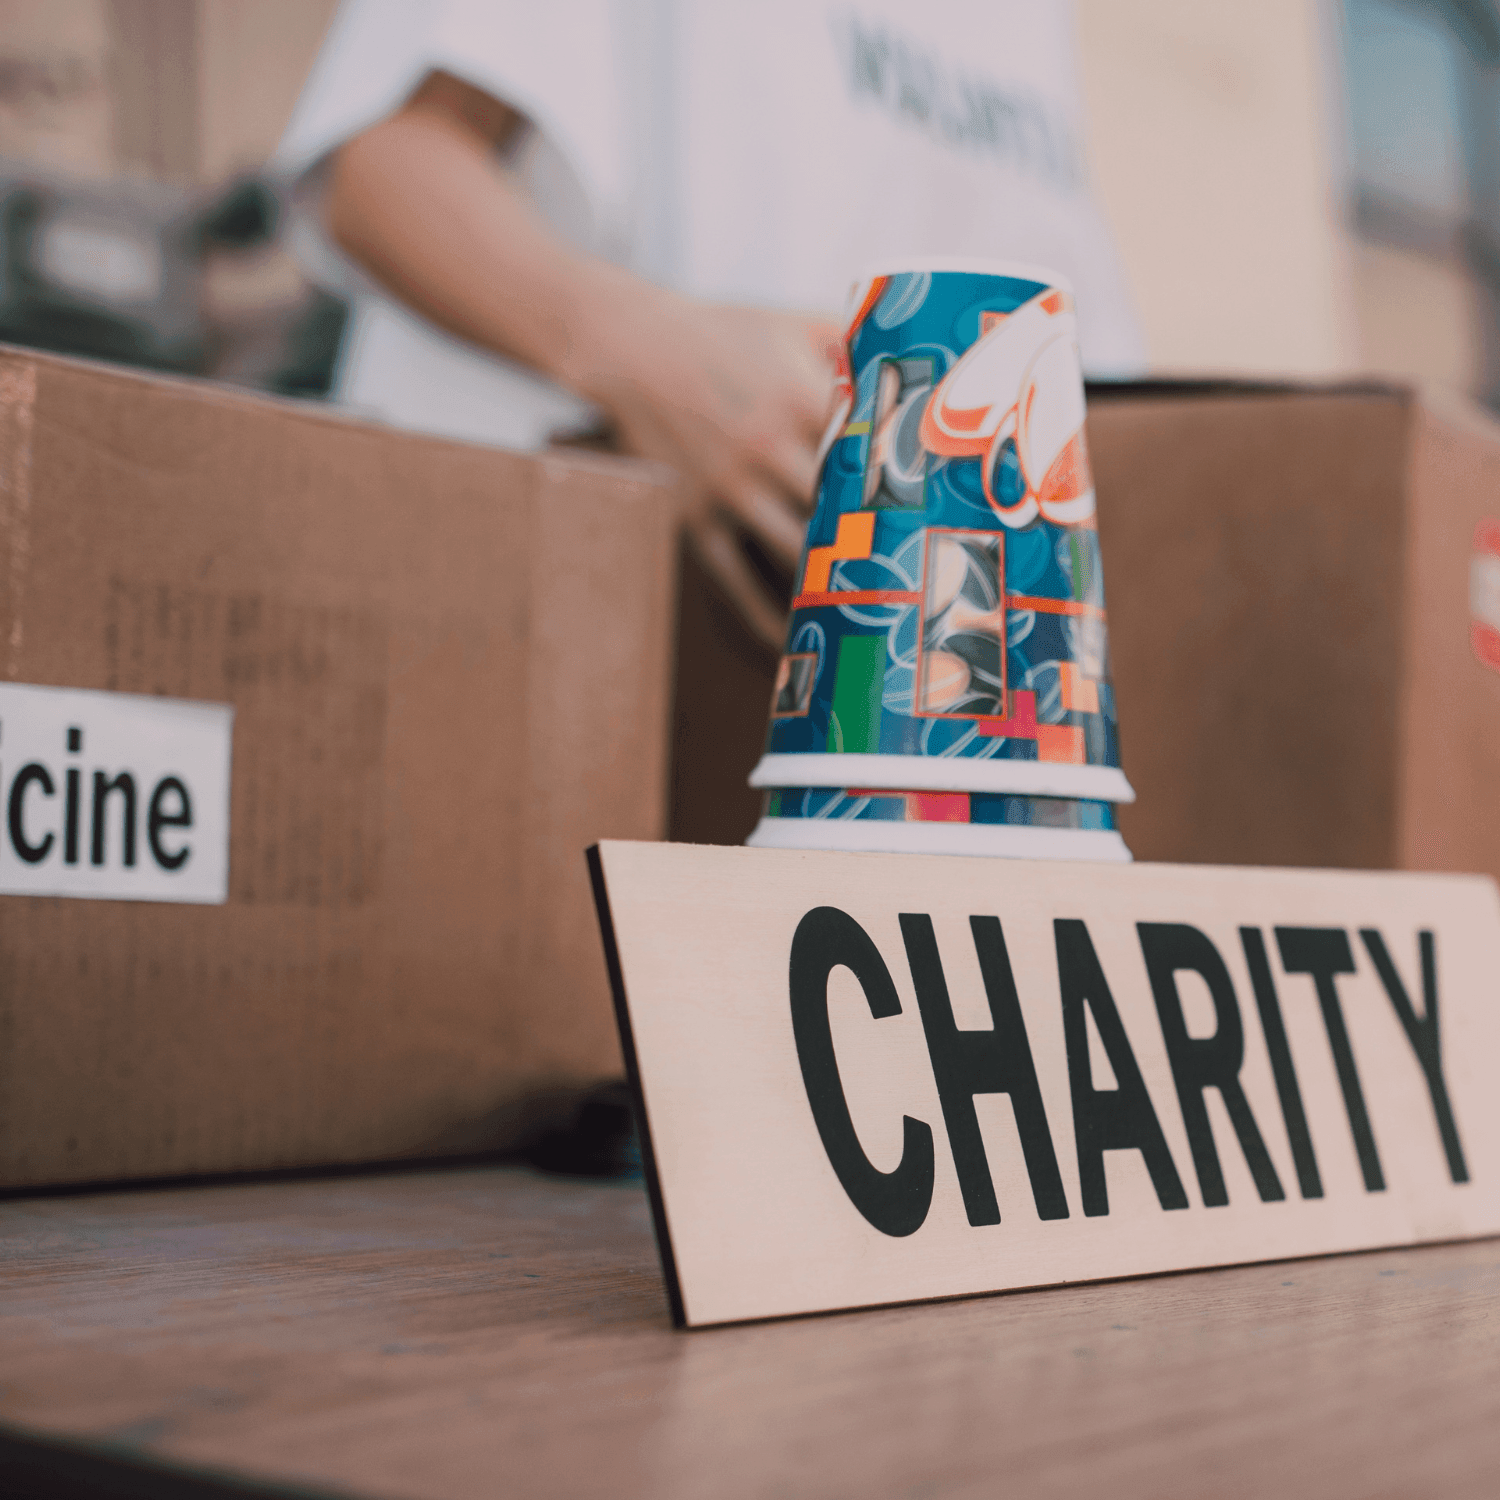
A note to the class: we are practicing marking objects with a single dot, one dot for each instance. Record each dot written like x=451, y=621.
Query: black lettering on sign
x=70, y=819
x=1422, y=1033
x=157, y=818
x=1324, y=953
x=1287, y=1090
x=31, y=853
x=1200, y=1063
x=997, y=1061
x=1119, y=1119
x=895, y=1202
x=124, y=783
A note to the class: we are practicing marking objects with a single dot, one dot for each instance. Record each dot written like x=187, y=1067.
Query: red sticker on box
x=1484, y=594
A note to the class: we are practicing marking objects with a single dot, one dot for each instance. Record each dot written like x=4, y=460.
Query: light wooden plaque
x=871, y=1078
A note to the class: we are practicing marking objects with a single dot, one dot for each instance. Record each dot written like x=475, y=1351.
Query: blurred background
x=1300, y=187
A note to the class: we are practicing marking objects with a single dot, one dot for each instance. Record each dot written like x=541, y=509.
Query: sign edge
x=598, y=881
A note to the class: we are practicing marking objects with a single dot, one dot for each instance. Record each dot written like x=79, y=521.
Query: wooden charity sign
x=870, y=1078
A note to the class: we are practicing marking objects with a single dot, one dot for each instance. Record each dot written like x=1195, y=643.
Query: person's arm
x=734, y=398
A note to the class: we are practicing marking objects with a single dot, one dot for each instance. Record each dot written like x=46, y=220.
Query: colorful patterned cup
x=945, y=685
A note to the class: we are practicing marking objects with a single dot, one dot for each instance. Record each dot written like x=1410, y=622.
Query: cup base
x=991, y=840
x=944, y=773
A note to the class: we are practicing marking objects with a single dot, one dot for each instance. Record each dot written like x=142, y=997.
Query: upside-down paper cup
x=945, y=685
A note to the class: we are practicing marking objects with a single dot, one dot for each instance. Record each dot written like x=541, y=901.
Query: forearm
x=421, y=203
x=734, y=398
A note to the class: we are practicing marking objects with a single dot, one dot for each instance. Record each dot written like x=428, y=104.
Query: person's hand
x=736, y=399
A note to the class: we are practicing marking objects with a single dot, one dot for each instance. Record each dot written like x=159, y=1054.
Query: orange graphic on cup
x=1022, y=382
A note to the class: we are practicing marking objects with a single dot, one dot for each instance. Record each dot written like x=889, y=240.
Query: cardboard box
x=1288, y=574
x=450, y=672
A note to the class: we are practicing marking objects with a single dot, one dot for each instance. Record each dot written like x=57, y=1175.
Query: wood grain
x=486, y=1331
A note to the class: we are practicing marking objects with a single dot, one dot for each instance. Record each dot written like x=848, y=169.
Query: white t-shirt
x=756, y=153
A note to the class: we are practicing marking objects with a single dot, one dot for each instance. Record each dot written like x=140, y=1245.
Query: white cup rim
x=971, y=264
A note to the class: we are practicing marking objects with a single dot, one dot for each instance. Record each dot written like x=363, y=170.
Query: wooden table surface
x=488, y=1331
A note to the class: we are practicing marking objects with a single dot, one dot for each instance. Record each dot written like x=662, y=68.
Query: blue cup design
x=948, y=633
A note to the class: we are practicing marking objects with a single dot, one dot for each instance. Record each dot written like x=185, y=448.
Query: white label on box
x=113, y=796
x=871, y=1078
